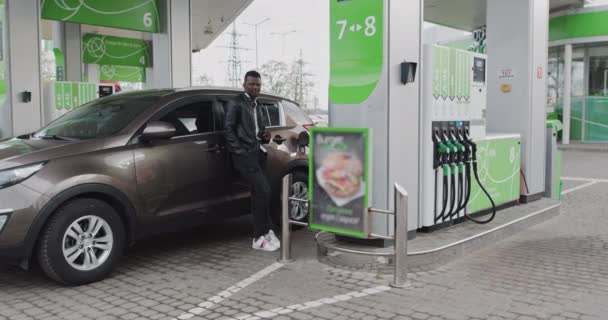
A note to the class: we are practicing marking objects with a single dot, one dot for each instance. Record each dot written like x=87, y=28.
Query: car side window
x=296, y=113
x=269, y=114
x=193, y=118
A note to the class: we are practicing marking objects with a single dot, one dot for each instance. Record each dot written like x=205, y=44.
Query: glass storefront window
x=596, y=105
x=598, y=71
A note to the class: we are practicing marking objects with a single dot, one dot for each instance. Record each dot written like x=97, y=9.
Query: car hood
x=17, y=152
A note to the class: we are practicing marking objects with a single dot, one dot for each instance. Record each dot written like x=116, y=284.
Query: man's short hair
x=253, y=74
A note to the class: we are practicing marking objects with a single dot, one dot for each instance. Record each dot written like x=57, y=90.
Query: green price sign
x=501, y=178
x=357, y=49
x=139, y=15
x=118, y=51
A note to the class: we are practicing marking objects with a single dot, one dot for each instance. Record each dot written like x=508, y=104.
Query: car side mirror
x=303, y=139
x=278, y=139
x=158, y=130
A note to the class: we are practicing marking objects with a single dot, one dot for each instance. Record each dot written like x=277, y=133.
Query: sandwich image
x=341, y=174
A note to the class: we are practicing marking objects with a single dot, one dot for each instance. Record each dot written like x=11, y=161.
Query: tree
x=276, y=78
x=292, y=81
x=203, y=80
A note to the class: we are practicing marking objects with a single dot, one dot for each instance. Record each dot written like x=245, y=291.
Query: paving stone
x=552, y=271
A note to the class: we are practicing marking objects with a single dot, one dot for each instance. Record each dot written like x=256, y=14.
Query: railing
x=400, y=230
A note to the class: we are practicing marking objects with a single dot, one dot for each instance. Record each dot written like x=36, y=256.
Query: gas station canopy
x=210, y=18
x=469, y=15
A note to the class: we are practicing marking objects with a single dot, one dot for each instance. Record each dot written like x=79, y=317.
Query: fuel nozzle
x=444, y=149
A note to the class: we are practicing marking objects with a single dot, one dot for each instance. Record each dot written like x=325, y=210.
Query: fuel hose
x=474, y=162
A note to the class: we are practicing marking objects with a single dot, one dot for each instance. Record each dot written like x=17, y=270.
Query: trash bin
x=553, y=169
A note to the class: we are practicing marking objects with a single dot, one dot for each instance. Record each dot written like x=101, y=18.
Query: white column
x=172, y=48
x=73, y=52
x=404, y=116
x=24, y=60
x=520, y=45
x=92, y=73
x=567, y=92
x=58, y=35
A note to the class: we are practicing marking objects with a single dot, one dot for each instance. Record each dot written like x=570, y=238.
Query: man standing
x=245, y=139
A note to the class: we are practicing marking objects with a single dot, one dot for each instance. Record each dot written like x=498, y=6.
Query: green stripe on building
x=582, y=25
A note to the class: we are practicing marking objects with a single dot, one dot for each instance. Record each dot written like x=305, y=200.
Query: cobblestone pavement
x=555, y=270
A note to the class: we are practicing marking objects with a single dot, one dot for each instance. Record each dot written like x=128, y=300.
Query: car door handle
x=214, y=149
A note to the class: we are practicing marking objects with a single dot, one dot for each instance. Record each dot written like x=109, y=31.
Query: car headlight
x=14, y=176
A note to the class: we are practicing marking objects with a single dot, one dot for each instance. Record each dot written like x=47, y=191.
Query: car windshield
x=97, y=119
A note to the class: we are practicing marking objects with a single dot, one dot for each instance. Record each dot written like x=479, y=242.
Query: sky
x=310, y=20
x=596, y=3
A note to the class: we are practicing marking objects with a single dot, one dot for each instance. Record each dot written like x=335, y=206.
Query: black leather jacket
x=239, y=123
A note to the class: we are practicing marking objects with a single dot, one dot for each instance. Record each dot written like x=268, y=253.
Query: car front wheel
x=82, y=243
x=298, y=189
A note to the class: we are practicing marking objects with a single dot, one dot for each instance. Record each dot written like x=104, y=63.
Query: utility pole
x=234, y=61
x=302, y=84
x=283, y=35
x=255, y=25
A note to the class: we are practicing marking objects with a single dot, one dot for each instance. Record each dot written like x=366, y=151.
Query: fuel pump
x=454, y=104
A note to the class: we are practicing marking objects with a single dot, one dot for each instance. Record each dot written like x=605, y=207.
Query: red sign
x=539, y=72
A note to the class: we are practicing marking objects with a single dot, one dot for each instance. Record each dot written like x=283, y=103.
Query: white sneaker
x=270, y=236
x=262, y=244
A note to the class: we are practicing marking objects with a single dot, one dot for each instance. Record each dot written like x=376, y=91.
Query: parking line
x=310, y=304
x=582, y=186
x=583, y=179
x=211, y=302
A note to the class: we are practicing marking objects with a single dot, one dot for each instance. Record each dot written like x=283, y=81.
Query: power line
x=234, y=62
x=302, y=83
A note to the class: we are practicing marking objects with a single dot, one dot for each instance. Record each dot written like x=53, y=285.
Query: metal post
x=400, y=276
x=567, y=93
x=285, y=225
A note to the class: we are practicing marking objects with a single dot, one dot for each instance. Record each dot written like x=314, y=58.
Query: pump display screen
x=105, y=91
x=479, y=70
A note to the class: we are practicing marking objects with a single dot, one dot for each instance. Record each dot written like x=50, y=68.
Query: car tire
x=87, y=231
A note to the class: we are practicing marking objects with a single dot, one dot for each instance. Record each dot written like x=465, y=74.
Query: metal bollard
x=400, y=272
x=285, y=225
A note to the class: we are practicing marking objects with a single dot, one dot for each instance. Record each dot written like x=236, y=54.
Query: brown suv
x=76, y=193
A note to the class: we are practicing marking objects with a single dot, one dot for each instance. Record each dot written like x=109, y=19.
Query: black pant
x=251, y=167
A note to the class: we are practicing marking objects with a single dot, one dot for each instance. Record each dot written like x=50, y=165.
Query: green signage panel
x=71, y=95
x=356, y=46
x=339, y=180
x=118, y=51
x=122, y=73
x=498, y=163
x=67, y=95
x=139, y=15
x=75, y=95
x=58, y=95
x=451, y=73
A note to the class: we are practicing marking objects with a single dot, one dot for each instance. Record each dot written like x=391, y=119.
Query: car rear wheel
x=82, y=243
